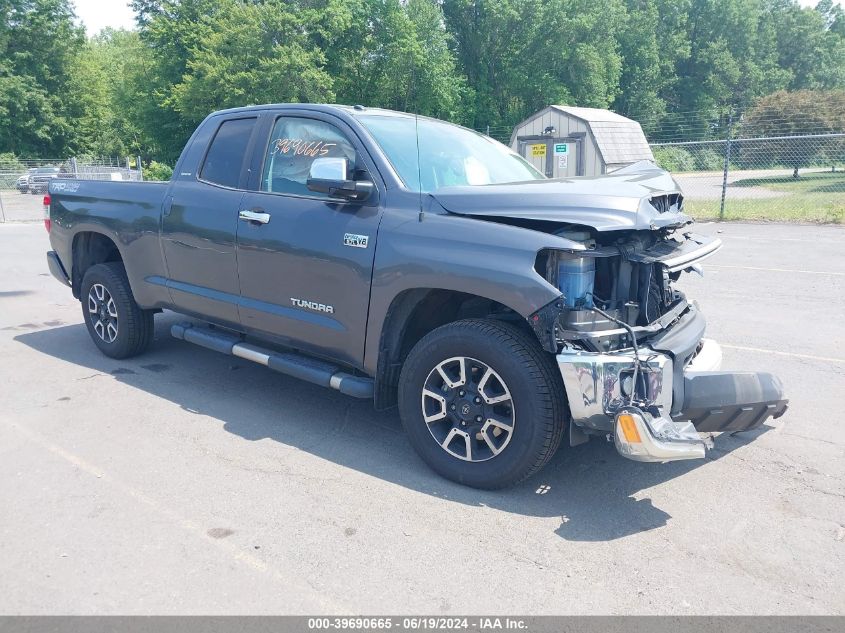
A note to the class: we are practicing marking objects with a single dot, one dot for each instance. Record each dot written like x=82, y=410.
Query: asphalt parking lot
x=20, y=207
x=189, y=482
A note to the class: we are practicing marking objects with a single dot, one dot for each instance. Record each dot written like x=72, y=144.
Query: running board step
x=296, y=365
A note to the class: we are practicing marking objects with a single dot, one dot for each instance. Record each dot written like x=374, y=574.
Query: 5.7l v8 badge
x=356, y=241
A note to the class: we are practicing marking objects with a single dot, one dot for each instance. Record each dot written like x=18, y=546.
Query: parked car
x=22, y=183
x=417, y=263
x=40, y=178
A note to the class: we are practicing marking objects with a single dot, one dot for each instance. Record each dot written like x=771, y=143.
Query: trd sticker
x=69, y=187
x=356, y=241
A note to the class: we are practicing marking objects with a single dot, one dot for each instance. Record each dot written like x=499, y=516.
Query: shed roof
x=593, y=114
x=619, y=139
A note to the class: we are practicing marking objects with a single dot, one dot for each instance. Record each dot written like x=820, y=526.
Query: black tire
x=528, y=373
x=133, y=326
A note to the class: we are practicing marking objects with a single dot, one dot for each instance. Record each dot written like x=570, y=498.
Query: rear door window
x=225, y=157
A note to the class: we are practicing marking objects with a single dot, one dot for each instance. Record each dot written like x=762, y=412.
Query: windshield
x=47, y=170
x=448, y=155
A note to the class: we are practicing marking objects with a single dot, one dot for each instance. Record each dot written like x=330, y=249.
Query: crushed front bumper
x=678, y=395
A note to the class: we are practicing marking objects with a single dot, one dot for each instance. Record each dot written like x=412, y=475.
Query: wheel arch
x=414, y=313
x=90, y=248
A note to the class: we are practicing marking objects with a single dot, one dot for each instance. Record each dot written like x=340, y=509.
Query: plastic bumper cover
x=717, y=401
x=56, y=268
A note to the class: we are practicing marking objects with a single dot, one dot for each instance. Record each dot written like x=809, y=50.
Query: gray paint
x=125, y=212
x=184, y=248
x=611, y=202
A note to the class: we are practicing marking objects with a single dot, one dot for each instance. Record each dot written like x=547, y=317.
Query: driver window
x=294, y=144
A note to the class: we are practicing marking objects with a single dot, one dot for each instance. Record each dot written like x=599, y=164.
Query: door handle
x=254, y=216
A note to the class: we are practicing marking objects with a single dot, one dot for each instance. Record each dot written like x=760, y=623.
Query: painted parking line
x=768, y=238
x=308, y=595
x=778, y=270
x=825, y=359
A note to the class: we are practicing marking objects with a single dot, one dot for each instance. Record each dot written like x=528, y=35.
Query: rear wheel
x=117, y=325
x=481, y=403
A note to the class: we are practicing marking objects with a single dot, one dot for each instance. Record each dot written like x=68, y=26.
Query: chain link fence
x=792, y=177
x=789, y=166
x=23, y=181
x=734, y=170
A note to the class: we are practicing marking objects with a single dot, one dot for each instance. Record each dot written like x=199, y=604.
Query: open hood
x=640, y=196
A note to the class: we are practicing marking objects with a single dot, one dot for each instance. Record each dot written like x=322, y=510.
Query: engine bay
x=622, y=286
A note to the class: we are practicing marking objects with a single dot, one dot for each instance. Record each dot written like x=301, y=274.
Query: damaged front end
x=631, y=348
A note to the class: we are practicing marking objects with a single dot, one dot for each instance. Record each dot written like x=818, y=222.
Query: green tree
x=653, y=43
x=108, y=92
x=251, y=53
x=393, y=55
x=732, y=61
x=642, y=76
x=157, y=171
x=810, y=44
x=522, y=55
x=38, y=44
x=794, y=114
x=169, y=29
x=677, y=66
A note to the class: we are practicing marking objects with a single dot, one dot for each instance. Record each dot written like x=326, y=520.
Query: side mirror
x=330, y=176
x=329, y=169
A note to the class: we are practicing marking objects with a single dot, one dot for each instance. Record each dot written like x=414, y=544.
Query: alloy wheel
x=468, y=409
x=103, y=312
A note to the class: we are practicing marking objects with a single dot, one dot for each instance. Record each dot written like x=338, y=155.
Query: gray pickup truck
x=420, y=264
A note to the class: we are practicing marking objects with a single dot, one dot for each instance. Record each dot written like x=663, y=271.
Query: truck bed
x=128, y=213
x=105, y=198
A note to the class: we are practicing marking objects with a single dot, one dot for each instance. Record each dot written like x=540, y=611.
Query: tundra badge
x=356, y=241
x=312, y=305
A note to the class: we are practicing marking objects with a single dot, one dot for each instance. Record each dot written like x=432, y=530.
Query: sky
x=98, y=14
x=95, y=15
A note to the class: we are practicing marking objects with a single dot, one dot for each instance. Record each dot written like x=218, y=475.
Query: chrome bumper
x=598, y=387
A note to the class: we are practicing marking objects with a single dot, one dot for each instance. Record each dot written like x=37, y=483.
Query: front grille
x=656, y=296
x=668, y=203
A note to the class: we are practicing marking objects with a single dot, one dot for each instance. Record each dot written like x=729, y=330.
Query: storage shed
x=565, y=141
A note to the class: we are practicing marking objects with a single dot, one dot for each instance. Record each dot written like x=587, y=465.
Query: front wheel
x=482, y=403
x=119, y=327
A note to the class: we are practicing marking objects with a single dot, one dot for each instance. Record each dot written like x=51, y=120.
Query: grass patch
x=813, y=182
x=817, y=197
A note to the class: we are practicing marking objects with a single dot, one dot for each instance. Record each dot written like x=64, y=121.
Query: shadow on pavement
x=596, y=494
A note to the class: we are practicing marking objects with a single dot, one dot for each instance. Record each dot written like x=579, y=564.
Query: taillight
x=47, y=222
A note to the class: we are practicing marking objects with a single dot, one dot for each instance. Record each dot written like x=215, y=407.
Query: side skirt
x=297, y=365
